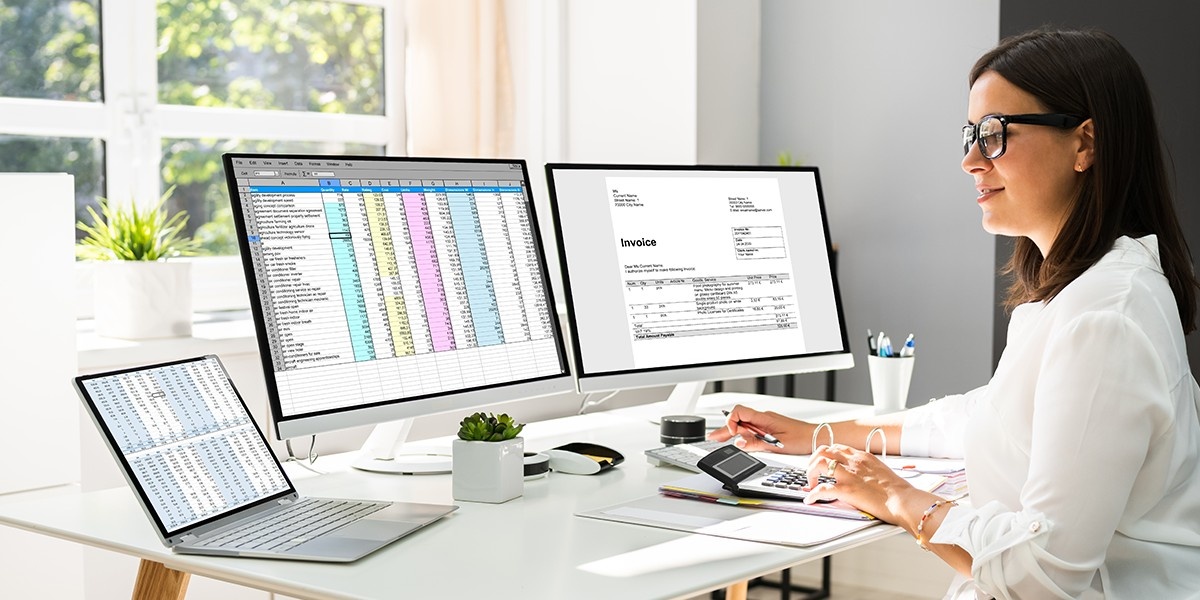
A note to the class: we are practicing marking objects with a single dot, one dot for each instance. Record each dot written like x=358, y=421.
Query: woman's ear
x=1085, y=154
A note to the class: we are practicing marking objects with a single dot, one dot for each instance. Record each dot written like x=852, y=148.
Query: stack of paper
x=954, y=470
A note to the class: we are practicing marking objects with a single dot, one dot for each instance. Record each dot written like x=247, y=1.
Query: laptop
x=205, y=476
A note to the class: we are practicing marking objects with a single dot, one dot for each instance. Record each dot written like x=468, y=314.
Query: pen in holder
x=891, y=372
x=890, y=376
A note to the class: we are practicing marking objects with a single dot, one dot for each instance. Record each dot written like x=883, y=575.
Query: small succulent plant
x=489, y=427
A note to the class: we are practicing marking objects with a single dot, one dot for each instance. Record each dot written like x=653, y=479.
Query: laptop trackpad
x=376, y=530
x=336, y=547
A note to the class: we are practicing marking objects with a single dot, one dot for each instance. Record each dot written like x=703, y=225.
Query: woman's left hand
x=862, y=479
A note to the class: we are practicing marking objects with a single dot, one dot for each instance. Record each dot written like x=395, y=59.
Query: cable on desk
x=303, y=461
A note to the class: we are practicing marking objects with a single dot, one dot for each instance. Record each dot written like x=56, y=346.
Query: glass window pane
x=271, y=54
x=81, y=157
x=50, y=49
x=194, y=168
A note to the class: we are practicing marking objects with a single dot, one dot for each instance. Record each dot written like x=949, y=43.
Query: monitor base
x=405, y=464
x=385, y=452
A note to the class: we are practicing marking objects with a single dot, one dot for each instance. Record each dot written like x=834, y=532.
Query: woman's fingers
x=823, y=491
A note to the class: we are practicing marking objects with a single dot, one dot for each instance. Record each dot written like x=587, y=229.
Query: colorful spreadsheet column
x=387, y=263
x=416, y=210
x=476, y=273
x=347, y=271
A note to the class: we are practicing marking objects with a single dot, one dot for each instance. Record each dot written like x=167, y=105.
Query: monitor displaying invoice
x=679, y=274
x=385, y=288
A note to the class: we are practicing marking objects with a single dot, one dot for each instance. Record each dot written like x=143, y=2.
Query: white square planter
x=488, y=471
x=143, y=299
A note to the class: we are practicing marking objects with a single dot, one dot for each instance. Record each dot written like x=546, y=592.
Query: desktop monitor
x=387, y=288
x=686, y=274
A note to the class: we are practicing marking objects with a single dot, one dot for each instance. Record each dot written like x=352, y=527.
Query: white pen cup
x=890, y=376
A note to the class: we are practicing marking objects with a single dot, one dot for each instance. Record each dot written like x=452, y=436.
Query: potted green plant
x=784, y=159
x=488, y=459
x=138, y=293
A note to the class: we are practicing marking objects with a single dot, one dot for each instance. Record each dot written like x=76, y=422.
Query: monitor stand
x=384, y=452
x=685, y=400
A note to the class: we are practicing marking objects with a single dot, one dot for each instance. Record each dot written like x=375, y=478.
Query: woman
x=1083, y=451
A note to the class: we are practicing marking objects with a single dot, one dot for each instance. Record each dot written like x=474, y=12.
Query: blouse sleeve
x=937, y=429
x=1094, y=417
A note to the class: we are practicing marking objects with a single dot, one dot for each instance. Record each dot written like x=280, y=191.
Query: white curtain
x=459, y=92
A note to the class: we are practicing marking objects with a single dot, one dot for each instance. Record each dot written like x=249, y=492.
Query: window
x=134, y=97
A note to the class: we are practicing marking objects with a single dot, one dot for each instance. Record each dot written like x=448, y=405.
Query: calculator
x=745, y=475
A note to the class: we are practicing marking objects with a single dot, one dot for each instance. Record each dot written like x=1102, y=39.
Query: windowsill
x=222, y=332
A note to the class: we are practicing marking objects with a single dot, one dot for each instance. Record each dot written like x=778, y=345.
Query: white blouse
x=1083, y=451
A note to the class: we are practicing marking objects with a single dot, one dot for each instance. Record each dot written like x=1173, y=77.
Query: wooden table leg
x=156, y=581
x=737, y=591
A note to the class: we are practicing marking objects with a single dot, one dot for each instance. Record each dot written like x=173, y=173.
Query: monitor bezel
x=719, y=370
x=399, y=408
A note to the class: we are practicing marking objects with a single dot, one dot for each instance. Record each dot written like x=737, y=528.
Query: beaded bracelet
x=921, y=524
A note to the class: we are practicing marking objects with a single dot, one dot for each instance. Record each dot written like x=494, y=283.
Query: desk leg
x=737, y=591
x=156, y=581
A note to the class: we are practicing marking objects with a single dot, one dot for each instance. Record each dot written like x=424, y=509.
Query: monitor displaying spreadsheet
x=390, y=287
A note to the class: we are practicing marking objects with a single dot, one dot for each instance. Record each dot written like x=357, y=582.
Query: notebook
x=204, y=475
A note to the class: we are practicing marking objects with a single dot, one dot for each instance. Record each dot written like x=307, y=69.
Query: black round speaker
x=536, y=465
x=681, y=429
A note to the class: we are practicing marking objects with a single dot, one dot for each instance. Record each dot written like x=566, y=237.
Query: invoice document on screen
x=700, y=258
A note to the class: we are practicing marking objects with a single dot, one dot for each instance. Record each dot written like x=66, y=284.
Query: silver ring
x=833, y=464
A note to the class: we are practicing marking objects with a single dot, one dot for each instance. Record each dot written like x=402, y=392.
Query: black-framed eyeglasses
x=992, y=131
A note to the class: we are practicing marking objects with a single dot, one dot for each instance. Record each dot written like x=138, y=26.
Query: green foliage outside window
x=259, y=54
x=307, y=56
x=50, y=50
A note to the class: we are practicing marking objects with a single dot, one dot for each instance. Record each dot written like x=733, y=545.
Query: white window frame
x=133, y=124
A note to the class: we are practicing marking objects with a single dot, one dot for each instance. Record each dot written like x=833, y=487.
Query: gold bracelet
x=924, y=516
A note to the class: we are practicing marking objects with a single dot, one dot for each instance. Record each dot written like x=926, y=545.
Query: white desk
x=530, y=547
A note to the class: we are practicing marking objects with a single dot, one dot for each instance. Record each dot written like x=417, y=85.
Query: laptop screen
x=185, y=439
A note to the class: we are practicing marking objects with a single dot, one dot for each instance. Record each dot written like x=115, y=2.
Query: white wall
x=38, y=408
x=38, y=446
x=728, y=83
x=631, y=81
x=874, y=94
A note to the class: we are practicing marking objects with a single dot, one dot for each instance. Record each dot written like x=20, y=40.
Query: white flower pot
x=143, y=299
x=488, y=471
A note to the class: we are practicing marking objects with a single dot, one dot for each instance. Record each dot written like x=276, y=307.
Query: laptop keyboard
x=285, y=529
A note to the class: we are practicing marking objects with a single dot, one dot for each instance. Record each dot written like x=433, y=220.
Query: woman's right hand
x=795, y=435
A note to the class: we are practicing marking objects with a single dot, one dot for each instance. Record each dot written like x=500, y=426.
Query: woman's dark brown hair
x=1125, y=192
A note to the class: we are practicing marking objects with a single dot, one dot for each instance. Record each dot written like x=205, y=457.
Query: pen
x=909, y=348
x=766, y=437
x=871, y=348
x=885, y=347
x=879, y=344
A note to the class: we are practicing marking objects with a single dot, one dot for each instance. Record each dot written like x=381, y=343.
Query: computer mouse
x=583, y=458
x=565, y=461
